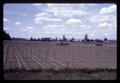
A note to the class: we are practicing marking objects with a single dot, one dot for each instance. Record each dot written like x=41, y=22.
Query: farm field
x=47, y=55
x=34, y=55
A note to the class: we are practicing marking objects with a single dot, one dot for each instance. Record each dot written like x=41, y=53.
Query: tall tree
x=86, y=37
x=6, y=36
x=31, y=39
x=64, y=38
x=56, y=39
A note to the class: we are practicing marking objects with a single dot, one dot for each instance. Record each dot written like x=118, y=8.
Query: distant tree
x=38, y=39
x=23, y=39
x=88, y=40
x=86, y=37
x=46, y=39
x=60, y=39
x=64, y=39
x=6, y=36
x=72, y=39
x=92, y=40
x=56, y=39
x=31, y=39
x=105, y=39
x=98, y=40
x=82, y=40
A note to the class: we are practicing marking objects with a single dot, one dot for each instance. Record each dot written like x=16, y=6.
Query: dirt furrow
x=21, y=59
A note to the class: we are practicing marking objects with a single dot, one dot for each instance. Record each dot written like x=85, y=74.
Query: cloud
x=65, y=10
x=67, y=13
x=40, y=20
x=17, y=23
x=30, y=28
x=98, y=18
x=6, y=28
x=66, y=6
x=90, y=5
x=36, y=4
x=52, y=28
x=73, y=20
x=43, y=14
x=108, y=10
x=105, y=24
x=6, y=20
x=53, y=19
x=40, y=17
x=59, y=6
x=102, y=18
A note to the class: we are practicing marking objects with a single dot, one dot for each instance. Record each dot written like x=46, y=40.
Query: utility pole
x=67, y=65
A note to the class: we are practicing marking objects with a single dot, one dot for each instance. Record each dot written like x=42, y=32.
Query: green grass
x=82, y=74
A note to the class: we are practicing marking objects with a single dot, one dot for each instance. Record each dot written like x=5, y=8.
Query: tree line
x=86, y=39
x=6, y=36
x=50, y=39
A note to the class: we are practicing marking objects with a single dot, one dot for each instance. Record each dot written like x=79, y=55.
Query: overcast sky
x=56, y=20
